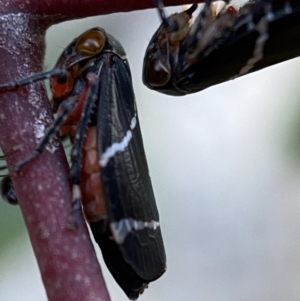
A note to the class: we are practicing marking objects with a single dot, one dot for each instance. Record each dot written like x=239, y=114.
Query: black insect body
x=93, y=95
x=223, y=43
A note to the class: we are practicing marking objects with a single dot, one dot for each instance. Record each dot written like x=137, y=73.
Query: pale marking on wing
x=76, y=192
x=118, y=146
x=258, y=52
x=262, y=28
x=76, y=198
x=123, y=227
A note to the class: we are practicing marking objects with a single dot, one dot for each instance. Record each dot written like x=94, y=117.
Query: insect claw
x=76, y=206
x=73, y=223
x=75, y=214
x=191, y=9
x=20, y=165
x=171, y=25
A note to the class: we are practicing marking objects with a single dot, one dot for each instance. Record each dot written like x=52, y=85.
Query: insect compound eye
x=91, y=42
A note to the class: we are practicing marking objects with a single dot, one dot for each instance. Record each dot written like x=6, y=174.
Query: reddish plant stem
x=66, y=258
x=78, y=8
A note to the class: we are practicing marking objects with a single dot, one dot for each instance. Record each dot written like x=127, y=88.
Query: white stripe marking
x=258, y=52
x=118, y=146
x=123, y=227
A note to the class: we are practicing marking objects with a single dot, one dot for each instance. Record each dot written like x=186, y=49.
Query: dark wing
x=132, y=245
x=257, y=40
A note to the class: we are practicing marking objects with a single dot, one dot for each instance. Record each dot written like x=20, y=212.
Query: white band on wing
x=118, y=146
x=123, y=227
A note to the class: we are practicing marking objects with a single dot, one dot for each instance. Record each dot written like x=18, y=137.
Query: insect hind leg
x=76, y=154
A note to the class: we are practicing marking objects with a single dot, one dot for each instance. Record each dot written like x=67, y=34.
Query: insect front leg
x=76, y=153
x=61, y=77
x=67, y=106
x=170, y=24
x=61, y=74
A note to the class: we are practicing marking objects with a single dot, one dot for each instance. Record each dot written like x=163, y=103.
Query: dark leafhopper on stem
x=93, y=96
x=223, y=43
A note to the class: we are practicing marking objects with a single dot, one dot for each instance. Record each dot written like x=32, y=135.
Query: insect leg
x=2, y=167
x=67, y=107
x=57, y=72
x=171, y=24
x=7, y=190
x=93, y=82
x=200, y=22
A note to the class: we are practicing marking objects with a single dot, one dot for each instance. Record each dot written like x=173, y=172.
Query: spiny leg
x=67, y=106
x=196, y=29
x=93, y=83
x=7, y=190
x=4, y=167
x=170, y=24
x=61, y=74
x=57, y=72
